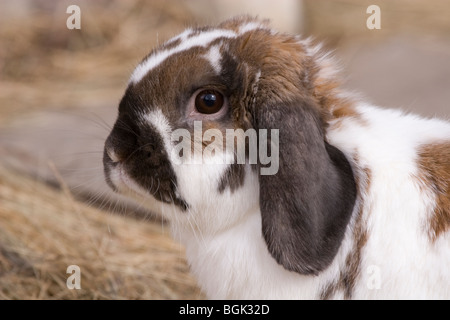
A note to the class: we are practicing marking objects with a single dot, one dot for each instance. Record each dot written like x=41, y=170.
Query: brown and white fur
x=359, y=207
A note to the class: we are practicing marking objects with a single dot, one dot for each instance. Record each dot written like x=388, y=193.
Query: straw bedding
x=44, y=230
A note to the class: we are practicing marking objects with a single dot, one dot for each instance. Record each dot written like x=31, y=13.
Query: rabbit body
x=358, y=204
x=389, y=250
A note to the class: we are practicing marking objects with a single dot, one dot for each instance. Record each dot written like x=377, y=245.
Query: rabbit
x=354, y=204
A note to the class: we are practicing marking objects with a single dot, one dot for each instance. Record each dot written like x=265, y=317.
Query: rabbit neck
x=236, y=264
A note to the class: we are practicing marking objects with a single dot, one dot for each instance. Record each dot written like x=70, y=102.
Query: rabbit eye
x=209, y=101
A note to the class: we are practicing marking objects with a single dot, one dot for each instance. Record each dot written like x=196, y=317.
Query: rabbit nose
x=127, y=142
x=112, y=155
x=123, y=140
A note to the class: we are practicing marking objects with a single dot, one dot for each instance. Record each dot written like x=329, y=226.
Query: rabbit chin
x=126, y=186
x=213, y=209
x=210, y=208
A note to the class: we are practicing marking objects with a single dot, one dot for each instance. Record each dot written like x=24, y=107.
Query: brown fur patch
x=289, y=73
x=434, y=166
x=326, y=88
x=345, y=109
x=353, y=260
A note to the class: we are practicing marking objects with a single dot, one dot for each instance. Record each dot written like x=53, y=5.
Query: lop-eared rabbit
x=354, y=204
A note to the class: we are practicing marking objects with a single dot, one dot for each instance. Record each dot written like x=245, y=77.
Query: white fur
x=250, y=26
x=387, y=143
x=328, y=68
x=213, y=57
x=159, y=121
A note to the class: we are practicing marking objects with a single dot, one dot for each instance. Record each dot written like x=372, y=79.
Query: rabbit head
x=191, y=107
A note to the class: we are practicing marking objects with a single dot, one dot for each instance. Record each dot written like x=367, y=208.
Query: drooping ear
x=307, y=204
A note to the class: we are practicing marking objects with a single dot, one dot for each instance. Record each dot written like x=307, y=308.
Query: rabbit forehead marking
x=192, y=38
x=187, y=41
x=214, y=57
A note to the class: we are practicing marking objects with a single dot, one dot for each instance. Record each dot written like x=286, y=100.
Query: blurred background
x=59, y=92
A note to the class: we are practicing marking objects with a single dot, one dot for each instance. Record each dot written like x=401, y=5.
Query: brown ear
x=307, y=204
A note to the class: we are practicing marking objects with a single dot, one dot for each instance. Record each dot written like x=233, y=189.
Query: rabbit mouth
x=160, y=183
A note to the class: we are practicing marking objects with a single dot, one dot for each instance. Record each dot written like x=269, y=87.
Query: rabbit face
x=170, y=146
x=169, y=142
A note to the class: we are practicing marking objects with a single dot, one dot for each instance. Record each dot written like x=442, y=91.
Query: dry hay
x=43, y=231
x=45, y=66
